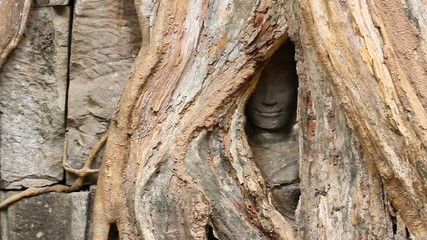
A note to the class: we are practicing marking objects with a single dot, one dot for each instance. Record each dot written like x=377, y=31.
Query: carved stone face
x=273, y=104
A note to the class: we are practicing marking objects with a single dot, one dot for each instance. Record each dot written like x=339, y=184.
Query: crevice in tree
x=408, y=234
x=394, y=224
x=113, y=233
x=210, y=233
x=271, y=114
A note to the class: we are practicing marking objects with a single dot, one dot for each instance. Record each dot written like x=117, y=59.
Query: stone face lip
x=32, y=102
x=270, y=113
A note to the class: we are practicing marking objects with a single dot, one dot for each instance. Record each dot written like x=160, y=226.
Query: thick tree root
x=77, y=184
x=13, y=42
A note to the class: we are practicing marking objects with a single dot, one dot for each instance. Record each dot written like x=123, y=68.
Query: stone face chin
x=270, y=121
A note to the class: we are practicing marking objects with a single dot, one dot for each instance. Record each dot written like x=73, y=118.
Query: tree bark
x=13, y=18
x=178, y=164
x=177, y=158
x=373, y=60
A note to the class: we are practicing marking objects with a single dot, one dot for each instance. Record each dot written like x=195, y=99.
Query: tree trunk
x=13, y=19
x=178, y=163
x=373, y=61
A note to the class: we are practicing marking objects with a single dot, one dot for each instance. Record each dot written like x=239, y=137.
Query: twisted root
x=77, y=184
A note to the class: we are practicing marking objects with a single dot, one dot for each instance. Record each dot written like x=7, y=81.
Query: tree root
x=13, y=43
x=85, y=170
x=81, y=173
x=77, y=184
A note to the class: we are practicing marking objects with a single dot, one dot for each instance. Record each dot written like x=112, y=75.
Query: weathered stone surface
x=105, y=41
x=44, y=3
x=32, y=102
x=48, y=216
x=79, y=205
x=278, y=163
x=92, y=191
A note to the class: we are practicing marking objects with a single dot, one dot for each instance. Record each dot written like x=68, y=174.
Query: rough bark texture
x=177, y=157
x=178, y=146
x=105, y=41
x=13, y=16
x=178, y=164
x=372, y=57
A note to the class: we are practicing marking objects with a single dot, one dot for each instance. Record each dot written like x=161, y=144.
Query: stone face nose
x=268, y=99
x=269, y=103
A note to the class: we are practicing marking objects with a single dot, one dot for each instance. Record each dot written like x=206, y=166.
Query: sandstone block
x=32, y=102
x=105, y=41
x=49, y=216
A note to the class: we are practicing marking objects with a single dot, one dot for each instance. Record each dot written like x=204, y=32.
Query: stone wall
x=66, y=74
x=33, y=85
x=105, y=42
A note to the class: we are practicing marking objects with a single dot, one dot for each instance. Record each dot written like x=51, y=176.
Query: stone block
x=45, y=3
x=105, y=41
x=50, y=216
x=32, y=102
x=89, y=227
